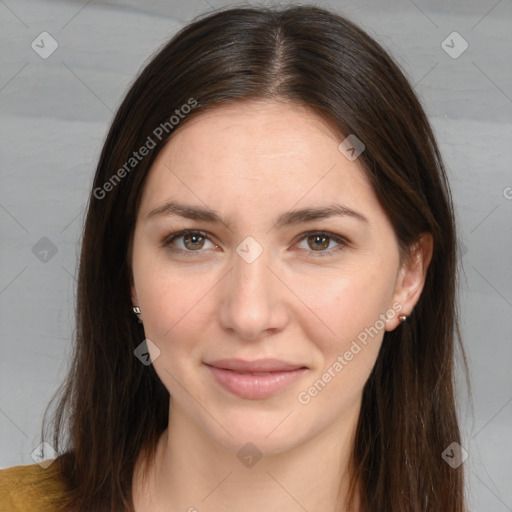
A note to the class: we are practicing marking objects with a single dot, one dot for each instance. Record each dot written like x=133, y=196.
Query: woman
x=266, y=297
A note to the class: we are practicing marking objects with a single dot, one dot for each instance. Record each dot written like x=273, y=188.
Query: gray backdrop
x=57, y=103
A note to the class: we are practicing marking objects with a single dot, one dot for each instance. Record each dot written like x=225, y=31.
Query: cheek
x=174, y=320
x=350, y=306
x=176, y=304
x=170, y=303
x=165, y=295
x=347, y=303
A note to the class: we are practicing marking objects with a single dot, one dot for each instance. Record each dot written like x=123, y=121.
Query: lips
x=255, y=379
x=262, y=365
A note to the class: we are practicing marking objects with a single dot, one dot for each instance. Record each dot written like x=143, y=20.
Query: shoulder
x=30, y=488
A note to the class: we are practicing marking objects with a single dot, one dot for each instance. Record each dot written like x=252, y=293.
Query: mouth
x=254, y=380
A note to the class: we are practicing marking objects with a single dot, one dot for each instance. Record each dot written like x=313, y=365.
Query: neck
x=193, y=473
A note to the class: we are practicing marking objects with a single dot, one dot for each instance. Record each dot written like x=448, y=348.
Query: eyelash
x=174, y=236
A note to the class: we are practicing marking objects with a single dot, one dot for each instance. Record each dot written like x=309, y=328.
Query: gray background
x=55, y=114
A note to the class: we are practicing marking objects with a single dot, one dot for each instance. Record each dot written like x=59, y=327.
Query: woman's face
x=270, y=320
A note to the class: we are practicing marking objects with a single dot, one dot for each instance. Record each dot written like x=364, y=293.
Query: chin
x=270, y=432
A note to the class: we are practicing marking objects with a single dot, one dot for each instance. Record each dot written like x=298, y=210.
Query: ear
x=133, y=292
x=411, y=276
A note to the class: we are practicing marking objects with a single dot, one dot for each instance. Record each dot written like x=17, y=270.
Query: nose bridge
x=252, y=302
x=251, y=284
x=250, y=263
x=251, y=273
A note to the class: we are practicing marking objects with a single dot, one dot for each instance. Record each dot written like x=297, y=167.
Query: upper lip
x=261, y=365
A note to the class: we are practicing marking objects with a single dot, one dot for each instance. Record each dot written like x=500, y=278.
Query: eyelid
x=342, y=241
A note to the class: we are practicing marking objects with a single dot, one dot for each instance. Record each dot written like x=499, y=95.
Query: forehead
x=252, y=133
x=259, y=154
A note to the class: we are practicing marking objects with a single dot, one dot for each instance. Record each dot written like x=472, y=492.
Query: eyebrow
x=205, y=214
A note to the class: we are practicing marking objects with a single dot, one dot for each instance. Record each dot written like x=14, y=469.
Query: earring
x=137, y=311
x=402, y=318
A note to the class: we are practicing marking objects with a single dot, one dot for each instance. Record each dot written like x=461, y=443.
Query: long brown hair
x=112, y=408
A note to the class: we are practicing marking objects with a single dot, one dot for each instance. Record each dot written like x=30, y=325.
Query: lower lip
x=254, y=387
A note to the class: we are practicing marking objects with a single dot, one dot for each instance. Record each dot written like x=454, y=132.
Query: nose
x=253, y=302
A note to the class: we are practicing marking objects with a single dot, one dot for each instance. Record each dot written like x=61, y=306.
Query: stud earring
x=137, y=311
x=402, y=318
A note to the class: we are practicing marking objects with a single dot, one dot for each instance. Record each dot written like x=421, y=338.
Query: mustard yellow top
x=30, y=488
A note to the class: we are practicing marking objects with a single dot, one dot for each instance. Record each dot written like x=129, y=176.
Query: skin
x=251, y=162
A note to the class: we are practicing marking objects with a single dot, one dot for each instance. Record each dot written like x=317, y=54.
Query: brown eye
x=320, y=243
x=316, y=242
x=187, y=242
x=193, y=241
